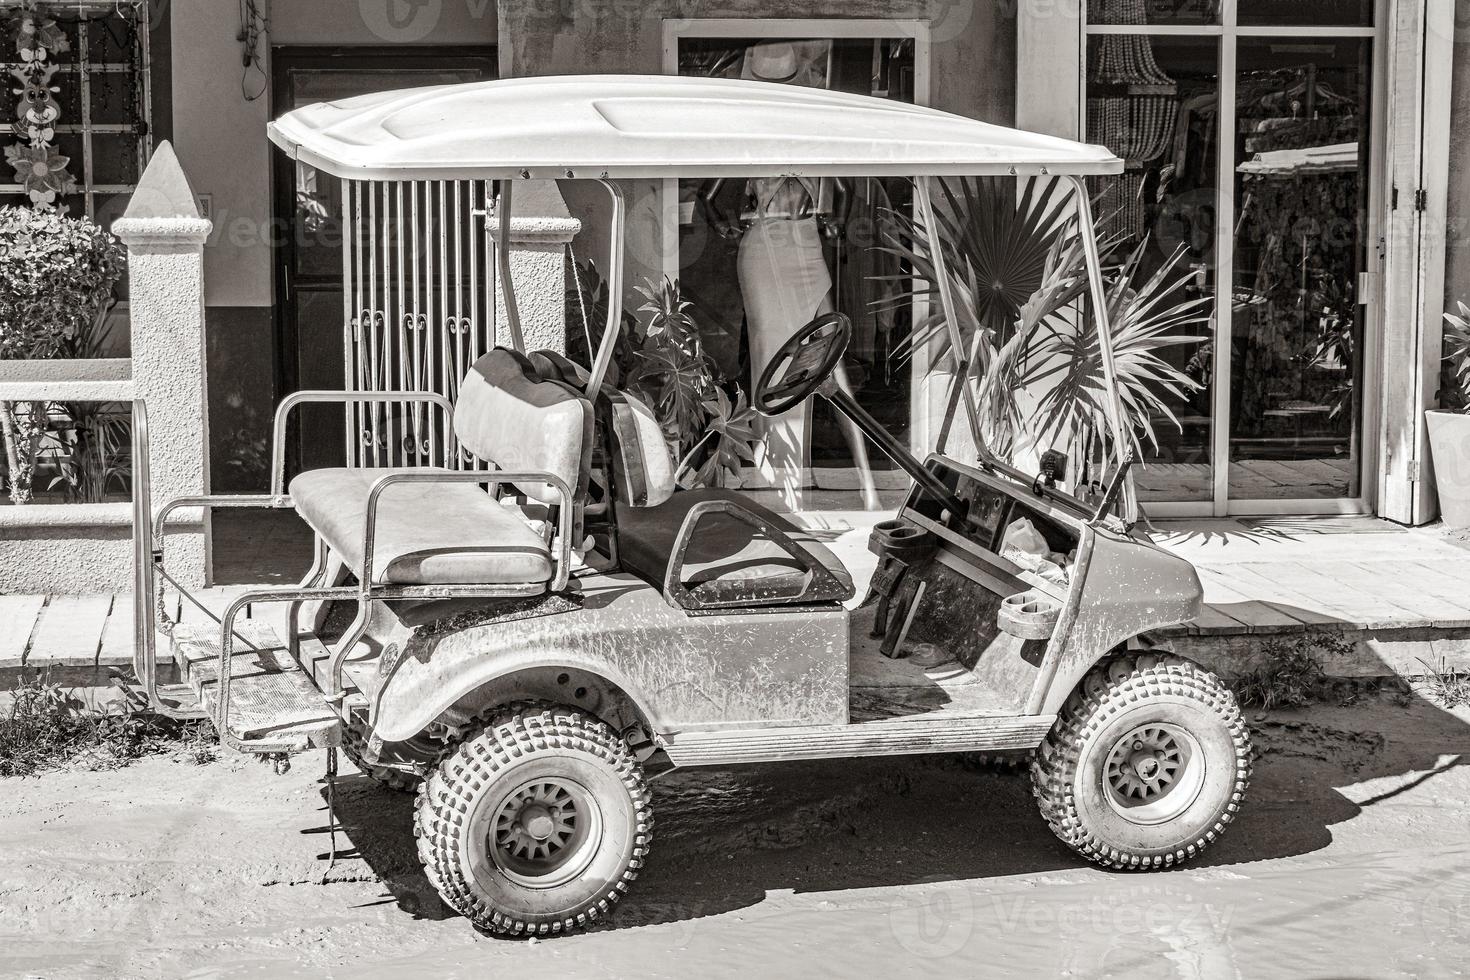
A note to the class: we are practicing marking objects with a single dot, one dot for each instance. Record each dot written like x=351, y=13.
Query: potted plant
x=56, y=280
x=1449, y=427
x=1018, y=271
x=706, y=420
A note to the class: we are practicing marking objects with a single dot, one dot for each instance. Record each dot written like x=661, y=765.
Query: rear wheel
x=1147, y=764
x=537, y=824
x=398, y=780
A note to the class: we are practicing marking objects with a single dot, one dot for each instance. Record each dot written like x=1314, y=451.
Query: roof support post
x=949, y=310
x=614, y=289
x=1097, y=293
x=502, y=261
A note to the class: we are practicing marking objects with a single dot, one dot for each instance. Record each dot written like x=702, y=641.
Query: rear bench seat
x=456, y=533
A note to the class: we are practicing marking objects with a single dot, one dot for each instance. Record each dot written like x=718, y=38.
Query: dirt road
x=1352, y=859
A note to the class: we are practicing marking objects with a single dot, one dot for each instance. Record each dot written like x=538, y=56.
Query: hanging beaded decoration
x=1137, y=123
x=39, y=167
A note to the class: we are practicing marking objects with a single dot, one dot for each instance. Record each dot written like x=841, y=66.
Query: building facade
x=1289, y=173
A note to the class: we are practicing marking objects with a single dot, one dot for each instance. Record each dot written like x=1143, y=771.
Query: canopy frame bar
x=614, y=289
x=502, y=263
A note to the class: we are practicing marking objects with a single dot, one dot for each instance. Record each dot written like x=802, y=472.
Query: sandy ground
x=1351, y=860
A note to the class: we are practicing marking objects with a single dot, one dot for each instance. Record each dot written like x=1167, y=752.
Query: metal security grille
x=419, y=308
x=105, y=98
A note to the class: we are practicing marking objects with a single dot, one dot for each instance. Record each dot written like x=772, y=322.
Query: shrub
x=56, y=277
x=46, y=727
x=57, y=274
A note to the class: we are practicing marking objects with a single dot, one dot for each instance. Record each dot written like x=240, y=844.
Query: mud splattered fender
x=680, y=671
x=1130, y=586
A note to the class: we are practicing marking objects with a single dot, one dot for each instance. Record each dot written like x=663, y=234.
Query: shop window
x=759, y=258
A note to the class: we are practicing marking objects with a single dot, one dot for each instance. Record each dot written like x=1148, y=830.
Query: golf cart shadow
x=726, y=839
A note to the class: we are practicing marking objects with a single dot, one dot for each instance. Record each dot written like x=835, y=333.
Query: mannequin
x=784, y=279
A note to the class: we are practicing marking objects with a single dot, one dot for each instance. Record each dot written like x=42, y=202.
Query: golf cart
x=527, y=631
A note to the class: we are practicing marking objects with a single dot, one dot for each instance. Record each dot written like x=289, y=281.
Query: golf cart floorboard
x=274, y=706
x=912, y=735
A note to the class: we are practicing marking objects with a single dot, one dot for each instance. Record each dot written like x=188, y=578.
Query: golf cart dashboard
x=992, y=504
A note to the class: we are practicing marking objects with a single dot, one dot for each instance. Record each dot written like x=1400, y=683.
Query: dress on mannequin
x=785, y=283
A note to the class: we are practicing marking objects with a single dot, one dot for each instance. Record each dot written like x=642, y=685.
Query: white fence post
x=165, y=236
x=540, y=228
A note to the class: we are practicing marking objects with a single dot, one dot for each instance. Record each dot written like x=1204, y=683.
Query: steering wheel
x=804, y=362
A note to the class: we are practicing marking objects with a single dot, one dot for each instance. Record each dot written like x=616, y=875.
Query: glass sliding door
x=1247, y=130
x=1301, y=211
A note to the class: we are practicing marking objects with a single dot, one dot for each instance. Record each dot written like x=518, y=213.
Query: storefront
x=1291, y=160
x=1286, y=186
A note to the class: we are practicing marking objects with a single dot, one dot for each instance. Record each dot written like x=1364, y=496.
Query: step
x=274, y=706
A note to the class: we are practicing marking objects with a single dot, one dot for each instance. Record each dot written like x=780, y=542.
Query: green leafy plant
x=57, y=275
x=996, y=244
x=1018, y=274
x=659, y=357
x=728, y=441
x=90, y=446
x=1065, y=359
x=669, y=366
x=1445, y=683
x=47, y=727
x=1457, y=357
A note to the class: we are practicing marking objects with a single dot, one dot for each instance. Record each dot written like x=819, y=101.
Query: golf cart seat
x=429, y=533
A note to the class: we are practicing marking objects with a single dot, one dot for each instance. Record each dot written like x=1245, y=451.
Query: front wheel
x=1148, y=762
x=535, y=825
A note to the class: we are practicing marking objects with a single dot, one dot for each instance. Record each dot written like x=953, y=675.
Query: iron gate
x=419, y=308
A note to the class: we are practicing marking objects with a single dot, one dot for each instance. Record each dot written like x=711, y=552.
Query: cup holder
x=1029, y=615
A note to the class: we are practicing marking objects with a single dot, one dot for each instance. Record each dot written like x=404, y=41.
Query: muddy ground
x=1352, y=859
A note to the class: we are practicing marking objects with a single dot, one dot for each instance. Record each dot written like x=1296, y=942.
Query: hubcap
x=545, y=832
x=1154, y=773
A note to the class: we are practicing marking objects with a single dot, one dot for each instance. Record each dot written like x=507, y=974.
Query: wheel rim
x=544, y=832
x=1154, y=773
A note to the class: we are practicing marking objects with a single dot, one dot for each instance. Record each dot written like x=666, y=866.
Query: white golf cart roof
x=589, y=126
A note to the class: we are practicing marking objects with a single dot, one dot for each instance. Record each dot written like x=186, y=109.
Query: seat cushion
x=427, y=533
x=508, y=416
x=727, y=558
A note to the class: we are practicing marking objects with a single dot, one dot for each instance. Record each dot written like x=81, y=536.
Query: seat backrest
x=509, y=416
x=643, y=469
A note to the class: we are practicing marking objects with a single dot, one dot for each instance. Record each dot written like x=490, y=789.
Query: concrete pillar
x=165, y=237
x=540, y=228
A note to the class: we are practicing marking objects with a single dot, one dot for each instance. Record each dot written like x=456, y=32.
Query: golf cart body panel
x=622, y=126
x=1130, y=586
x=1121, y=584
x=738, y=669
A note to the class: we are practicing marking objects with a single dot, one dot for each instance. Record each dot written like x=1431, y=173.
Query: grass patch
x=1445, y=685
x=1292, y=674
x=47, y=727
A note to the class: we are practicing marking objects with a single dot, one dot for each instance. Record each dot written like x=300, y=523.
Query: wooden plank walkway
x=93, y=630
